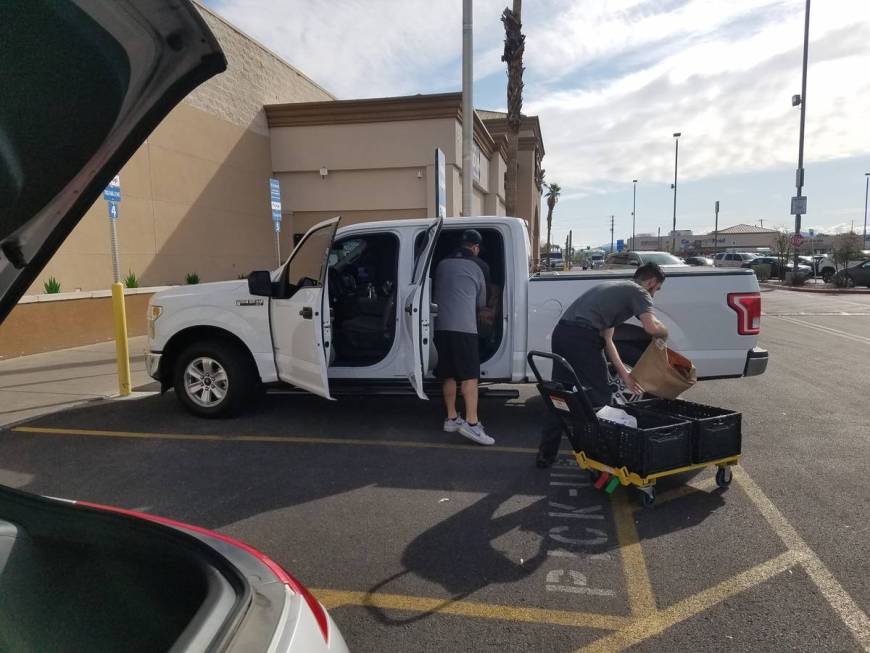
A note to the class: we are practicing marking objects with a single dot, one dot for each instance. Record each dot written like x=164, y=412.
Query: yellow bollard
x=121, y=344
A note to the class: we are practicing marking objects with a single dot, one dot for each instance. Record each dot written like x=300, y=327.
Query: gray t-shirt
x=609, y=304
x=460, y=289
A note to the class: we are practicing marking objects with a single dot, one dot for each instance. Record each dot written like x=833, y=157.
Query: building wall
x=376, y=170
x=195, y=195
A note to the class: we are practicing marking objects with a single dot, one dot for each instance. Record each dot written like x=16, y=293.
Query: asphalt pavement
x=418, y=541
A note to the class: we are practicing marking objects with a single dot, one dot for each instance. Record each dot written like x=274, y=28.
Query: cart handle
x=553, y=357
x=585, y=404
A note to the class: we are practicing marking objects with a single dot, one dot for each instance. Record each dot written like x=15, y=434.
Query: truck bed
x=693, y=305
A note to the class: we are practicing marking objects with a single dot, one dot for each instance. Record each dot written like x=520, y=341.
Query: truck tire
x=215, y=378
x=827, y=275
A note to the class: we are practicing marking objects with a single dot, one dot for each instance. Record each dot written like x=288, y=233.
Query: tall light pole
x=611, y=234
x=716, y=230
x=634, y=209
x=799, y=200
x=467, y=105
x=866, y=189
x=676, y=157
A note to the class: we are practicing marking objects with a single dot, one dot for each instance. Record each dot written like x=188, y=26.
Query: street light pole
x=676, y=157
x=611, y=234
x=799, y=177
x=866, y=188
x=634, y=210
x=716, y=231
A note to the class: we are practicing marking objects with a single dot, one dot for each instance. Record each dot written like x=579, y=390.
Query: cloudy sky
x=611, y=80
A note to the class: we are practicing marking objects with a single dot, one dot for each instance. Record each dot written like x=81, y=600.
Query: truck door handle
x=307, y=312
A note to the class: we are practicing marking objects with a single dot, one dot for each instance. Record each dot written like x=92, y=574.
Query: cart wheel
x=723, y=476
x=647, y=495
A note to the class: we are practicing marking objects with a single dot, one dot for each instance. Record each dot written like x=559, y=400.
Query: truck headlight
x=153, y=313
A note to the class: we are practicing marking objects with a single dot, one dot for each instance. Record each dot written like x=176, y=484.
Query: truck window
x=305, y=269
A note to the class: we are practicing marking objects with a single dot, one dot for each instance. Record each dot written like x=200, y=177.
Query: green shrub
x=131, y=281
x=762, y=271
x=192, y=278
x=52, y=286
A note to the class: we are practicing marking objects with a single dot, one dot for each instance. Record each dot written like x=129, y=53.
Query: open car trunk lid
x=84, y=83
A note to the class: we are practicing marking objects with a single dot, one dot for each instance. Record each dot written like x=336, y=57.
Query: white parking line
x=824, y=329
x=837, y=597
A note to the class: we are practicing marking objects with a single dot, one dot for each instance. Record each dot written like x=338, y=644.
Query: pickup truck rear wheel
x=827, y=275
x=215, y=378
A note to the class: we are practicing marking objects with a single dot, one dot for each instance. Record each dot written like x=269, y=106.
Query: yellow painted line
x=707, y=485
x=854, y=618
x=269, y=438
x=637, y=581
x=332, y=599
x=654, y=624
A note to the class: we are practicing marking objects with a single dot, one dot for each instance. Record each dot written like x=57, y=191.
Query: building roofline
x=383, y=109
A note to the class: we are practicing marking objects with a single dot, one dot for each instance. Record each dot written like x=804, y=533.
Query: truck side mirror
x=260, y=283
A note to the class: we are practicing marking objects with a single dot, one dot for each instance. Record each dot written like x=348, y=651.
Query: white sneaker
x=475, y=433
x=453, y=425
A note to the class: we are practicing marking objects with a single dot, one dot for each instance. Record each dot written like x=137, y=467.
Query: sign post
x=440, y=184
x=275, y=201
x=112, y=195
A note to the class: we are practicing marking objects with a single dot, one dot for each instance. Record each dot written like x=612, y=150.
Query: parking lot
x=417, y=541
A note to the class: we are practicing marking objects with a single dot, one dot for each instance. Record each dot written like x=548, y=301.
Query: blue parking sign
x=112, y=193
x=275, y=199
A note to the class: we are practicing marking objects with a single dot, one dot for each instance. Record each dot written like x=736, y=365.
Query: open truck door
x=299, y=313
x=419, y=312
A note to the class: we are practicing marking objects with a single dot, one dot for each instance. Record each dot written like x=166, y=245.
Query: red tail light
x=288, y=580
x=748, y=308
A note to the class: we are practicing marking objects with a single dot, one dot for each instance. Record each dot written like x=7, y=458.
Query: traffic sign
x=799, y=205
x=275, y=199
x=620, y=245
x=112, y=193
x=113, y=211
x=797, y=240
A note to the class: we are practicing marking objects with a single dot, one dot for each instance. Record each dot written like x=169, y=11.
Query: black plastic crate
x=658, y=444
x=716, y=432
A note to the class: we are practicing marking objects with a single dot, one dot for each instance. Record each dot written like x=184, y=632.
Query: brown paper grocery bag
x=663, y=372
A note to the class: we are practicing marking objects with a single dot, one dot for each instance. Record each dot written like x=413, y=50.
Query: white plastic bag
x=618, y=416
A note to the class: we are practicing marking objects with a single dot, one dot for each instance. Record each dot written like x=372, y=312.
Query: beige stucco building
x=195, y=196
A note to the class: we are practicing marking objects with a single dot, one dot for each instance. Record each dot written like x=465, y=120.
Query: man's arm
x=614, y=357
x=652, y=326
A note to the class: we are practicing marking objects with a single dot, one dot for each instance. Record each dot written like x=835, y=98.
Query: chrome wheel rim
x=205, y=382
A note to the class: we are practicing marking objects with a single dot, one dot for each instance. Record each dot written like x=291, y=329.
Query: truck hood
x=203, y=294
x=84, y=83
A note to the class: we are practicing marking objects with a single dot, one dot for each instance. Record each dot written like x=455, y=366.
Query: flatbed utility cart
x=671, y=437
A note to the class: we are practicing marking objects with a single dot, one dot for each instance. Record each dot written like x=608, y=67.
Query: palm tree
x=552, y=195
x=514, y=45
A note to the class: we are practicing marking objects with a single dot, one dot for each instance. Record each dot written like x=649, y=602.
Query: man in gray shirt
x=460, y=291
x=586, y=330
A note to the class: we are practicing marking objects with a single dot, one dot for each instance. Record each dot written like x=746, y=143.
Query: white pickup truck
x=351, y=308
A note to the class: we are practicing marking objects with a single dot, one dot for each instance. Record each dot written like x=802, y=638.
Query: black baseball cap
x=472, y=237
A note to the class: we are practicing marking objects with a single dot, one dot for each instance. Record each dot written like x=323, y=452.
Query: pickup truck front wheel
x=214, y=379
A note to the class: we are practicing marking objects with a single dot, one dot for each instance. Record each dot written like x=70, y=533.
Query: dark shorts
x=458, y=355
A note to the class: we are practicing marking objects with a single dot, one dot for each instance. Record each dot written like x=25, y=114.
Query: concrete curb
x=826, y=291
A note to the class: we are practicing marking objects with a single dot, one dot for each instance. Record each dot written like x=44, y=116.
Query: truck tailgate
x=694, y=305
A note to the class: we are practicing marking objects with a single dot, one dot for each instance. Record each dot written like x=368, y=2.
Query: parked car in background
x=698, y=261
x=620, y=260
x=553, y=262
x=777, y=269
x=732, y=259
x=821, y=265
x=856, y=275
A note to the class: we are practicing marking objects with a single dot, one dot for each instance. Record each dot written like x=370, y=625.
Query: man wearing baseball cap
x=460, y=286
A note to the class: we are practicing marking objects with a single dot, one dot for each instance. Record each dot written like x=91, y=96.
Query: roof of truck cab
x=424, y=222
